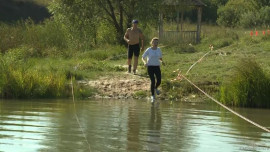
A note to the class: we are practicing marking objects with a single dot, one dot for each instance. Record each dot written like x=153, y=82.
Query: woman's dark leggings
x=152, y=71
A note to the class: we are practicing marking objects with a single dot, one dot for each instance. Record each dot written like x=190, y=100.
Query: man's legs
x=136, y=56
x=129, y=65
x=135, y=63
x=130, y=54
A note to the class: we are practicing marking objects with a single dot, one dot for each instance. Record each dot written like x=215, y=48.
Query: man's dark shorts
x=133, y=49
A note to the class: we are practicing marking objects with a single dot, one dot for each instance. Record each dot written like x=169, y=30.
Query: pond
x=128, y=125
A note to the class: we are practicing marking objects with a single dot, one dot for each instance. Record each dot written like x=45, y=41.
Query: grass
x=217, y=66
x=38, y=58
x=248, y=87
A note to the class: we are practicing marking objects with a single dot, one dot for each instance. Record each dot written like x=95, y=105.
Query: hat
x=135, y=21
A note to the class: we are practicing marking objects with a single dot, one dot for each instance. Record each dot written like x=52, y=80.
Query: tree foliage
x=230, y=14
x=244, y=13
x=83, y=18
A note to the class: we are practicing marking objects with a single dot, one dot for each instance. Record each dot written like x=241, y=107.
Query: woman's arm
x=144, y=56
x=144, y=61
x=161, y=60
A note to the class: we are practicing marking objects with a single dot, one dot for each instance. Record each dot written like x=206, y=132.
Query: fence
x=177, y=37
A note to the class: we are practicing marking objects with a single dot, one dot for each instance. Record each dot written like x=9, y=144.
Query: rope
x=180, y=76
x=211, y=49
x=76, y=116
x=197, y=62
x=239, y=115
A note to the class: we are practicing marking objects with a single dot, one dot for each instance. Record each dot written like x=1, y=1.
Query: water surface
x=119, y=125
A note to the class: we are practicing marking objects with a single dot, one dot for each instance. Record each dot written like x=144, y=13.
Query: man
x=133, y=36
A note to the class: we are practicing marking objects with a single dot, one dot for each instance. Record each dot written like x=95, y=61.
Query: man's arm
x=142, y=40
x=126, y=36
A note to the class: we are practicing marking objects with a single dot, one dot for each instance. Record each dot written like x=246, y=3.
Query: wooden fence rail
x=179, y=37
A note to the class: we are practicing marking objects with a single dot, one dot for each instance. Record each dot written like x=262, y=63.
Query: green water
x=115, y=125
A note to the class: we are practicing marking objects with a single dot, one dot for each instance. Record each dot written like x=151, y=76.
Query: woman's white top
x=153, y=56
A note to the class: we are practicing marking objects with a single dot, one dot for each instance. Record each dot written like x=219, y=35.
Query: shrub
x=249, y=19
x=265, y=15
x=248, y=87
x=46, y=35
x=22, y=83
x=11, y=36
x=230, y=14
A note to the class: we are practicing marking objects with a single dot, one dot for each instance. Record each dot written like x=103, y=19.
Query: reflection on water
x=154, y=140
x=30, y=126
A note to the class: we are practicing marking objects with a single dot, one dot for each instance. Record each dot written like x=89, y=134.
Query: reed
x=248, y=87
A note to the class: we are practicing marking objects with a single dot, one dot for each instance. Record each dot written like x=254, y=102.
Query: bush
x=39, y=37
x=248, y=87
x=11, y=36
x=265, y=15
x=24, y=83
x=230, y=14
x=18, y=78
x=249, y=19
x=47, y=35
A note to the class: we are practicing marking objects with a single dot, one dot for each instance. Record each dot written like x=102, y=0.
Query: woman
x=154, y=58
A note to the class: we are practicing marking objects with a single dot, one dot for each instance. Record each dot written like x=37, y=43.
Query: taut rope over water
x=180, y=76
x=229, y=109
x=76, y=116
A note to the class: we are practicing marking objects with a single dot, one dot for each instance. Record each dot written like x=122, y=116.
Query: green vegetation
x=249, y=86
x=39, y=60
x=14, y=10
x=244, y=13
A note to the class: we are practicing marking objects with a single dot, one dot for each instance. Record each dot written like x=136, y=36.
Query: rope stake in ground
x=76, y=116
x=180, y=76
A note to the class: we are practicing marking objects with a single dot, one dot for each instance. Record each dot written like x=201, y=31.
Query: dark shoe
x=129, y=69
x=157, y=92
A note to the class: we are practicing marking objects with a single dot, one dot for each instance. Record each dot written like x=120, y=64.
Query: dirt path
x=120, y=87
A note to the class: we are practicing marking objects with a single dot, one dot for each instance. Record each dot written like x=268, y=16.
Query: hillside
x=14, y=10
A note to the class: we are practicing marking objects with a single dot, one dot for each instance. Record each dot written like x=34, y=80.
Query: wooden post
x=177, y=20
x=182, y=19
x=160, y=33
x=199, y=24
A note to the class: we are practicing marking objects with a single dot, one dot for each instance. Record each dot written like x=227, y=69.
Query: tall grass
x=249, y=86
x=27, y=74
x=41, y=37
x=19, y=80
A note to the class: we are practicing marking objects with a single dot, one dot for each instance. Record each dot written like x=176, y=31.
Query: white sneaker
x=152, y=99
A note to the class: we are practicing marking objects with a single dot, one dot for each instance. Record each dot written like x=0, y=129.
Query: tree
x=121, y=12
x=210, y=11
x=78, y=19
x=230, y=14
x=82, y=17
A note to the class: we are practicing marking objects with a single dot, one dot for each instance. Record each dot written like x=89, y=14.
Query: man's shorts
x=133, y=49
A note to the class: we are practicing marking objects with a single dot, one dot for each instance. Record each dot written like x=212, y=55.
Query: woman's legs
x=151, y=73
x=158, y=76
